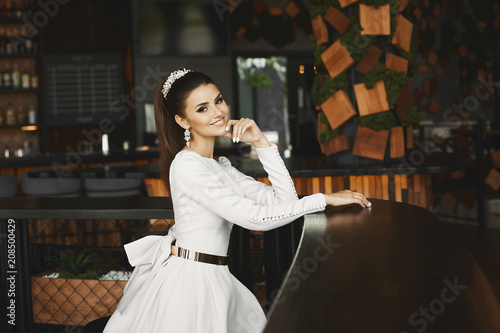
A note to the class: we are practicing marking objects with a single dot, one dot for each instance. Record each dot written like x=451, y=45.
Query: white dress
x=171, y=294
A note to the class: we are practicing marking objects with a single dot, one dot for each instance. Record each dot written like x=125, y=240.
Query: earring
x=187, y=137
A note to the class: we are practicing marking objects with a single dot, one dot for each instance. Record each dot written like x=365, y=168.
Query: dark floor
x=484, y=245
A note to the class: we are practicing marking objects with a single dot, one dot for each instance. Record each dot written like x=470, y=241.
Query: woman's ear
x=182, y=123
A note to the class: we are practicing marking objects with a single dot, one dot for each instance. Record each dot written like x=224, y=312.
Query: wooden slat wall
x=413, y=189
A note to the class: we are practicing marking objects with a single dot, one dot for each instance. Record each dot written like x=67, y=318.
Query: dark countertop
x=302, y=166
x=389, y=268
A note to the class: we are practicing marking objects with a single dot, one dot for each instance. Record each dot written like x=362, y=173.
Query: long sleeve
x=197, y=181
x=282, y=188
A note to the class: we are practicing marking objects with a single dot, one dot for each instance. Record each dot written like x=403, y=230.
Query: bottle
x=1, y=78
x=34, y=81
x=31, y=115
x=10, y=116
x=7, y=83
x=21, y=116
x=3, y=38
x=25, y=80
x=1, y=115
x=8, y=44
x=6, y=152
x=16, y=77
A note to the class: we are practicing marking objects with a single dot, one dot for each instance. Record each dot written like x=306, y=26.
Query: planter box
x=373, y=100
x=375, y=21
x=370, y=143
x=73, y=301
x=338, y=109
x=337, y=59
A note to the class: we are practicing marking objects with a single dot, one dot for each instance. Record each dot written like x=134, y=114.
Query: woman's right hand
x=346, y=197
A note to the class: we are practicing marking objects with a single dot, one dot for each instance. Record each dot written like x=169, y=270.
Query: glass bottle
x=16, y=77
x=21, y=116
x=8, y=45
x=10, y=116
x=1, y=115
x=7, y=79
x=34, y=80
x=31, y=115
x=3, y=38
x=25, y=80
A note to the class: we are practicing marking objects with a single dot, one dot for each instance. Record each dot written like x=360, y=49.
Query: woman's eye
x=220, y=100
x=202, y=109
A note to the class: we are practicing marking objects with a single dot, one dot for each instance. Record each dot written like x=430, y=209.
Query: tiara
x=171, y=79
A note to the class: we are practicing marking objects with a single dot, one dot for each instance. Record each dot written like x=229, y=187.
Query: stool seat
x=41, y=184
x=8, y=186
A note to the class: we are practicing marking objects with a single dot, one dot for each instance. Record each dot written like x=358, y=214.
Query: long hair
x=170, y=134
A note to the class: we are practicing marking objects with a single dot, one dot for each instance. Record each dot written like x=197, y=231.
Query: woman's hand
x=346, y=197
x=246, y=130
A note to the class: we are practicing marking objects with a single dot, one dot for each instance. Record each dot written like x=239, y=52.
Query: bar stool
x=8, y=186
x=44, y=183
x=112, y=184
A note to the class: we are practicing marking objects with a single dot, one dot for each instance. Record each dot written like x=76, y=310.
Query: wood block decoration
x=461, y=143
x=439, y=71
x=450, y=202
x=240, y=32
x=402, y=35
x=462, y=50
x=292, y=9
x=336, y=144
x=493, y=179
x=397, y=142
x=402, y=5
x=434, y=107
x=345, y=3
x=337, y=19
x=337, y=59
x=410, y=141
x=276, y=11
x=371, y=101
x=404, y=102
x=432, y=59
x=375, y=21
x=396, y=63
x=320, y=30
x=468, y=197
x=423, y=25
x=495, y=159
x=370, y=143
x=338, y=109
x=417, y=13
x=259, y=6
x=370, y=59
x=418, y=95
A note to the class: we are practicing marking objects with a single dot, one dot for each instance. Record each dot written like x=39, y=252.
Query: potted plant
x=77, y=292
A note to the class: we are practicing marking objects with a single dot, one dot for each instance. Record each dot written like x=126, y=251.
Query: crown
x=171, y=79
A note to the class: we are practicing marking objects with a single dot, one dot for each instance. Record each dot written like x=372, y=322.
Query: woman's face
x=206, y=113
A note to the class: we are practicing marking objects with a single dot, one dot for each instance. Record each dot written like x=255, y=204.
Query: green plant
x=258, y=80
x=76, y=264
x=413, y=118
x=329, y=133
x=330, y=86
x=356, y=44
x=393, y=80
x=378, y=121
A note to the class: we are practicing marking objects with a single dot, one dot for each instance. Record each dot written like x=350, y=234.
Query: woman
x=181, y=282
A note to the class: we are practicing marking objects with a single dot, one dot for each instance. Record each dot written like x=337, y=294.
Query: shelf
x=11, y=91
x=17, y=56
x=21, y=127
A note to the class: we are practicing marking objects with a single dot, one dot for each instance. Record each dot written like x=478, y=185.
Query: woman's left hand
x=246, y=130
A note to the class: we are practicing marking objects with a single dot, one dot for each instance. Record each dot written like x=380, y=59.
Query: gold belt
x=198, y=256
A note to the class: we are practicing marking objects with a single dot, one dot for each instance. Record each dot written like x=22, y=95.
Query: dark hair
x=170, y=134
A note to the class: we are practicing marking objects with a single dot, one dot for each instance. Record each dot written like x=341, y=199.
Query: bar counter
x=390, y=268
